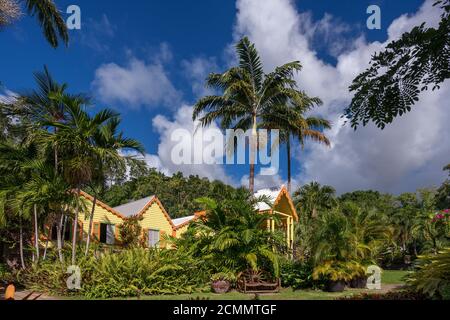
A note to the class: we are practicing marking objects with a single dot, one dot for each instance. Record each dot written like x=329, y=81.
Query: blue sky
x=168, y=47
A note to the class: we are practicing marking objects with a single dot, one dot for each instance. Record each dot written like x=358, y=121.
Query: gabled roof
x=275, y=195
x=132, y=208
x=181, y=222
x=102, y=204
x=154, y=199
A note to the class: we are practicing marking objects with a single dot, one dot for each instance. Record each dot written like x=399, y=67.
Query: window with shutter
x=153, y=237
x=110, y=234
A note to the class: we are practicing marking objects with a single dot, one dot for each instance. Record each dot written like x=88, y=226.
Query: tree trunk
x=45, y=249
x=253, y=142
x=47, y=240
x=36, y=232
x=288, y=150
x=75, y=228
x=22, y=261
x=91, y=222
x=63, y=229
x=58, y=236
x=314, y=213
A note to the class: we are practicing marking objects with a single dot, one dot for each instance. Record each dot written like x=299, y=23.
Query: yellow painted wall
x=154, y=218
x=181, y=230
x=101, y=215
x=284, y=207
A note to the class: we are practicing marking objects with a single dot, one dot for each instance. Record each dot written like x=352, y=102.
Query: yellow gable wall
x=181, y=230
x=101, y=215
x=283, y=206
x=154, y=218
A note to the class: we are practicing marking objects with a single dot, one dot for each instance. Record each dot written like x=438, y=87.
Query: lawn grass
x=393, y=276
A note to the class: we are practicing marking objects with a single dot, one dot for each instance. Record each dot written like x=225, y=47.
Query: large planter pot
x=220, y=286
x=335, y=286
x=358, y=283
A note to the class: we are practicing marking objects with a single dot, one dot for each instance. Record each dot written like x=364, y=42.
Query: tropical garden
x=54, y=144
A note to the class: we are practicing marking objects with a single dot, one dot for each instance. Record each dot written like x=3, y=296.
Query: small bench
x=252, y=281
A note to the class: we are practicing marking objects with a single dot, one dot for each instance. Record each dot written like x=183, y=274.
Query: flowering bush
x=443, y=216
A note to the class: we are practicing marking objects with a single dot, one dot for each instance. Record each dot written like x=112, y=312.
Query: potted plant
x=358, y=275
x=334, y=273
x=221, y=282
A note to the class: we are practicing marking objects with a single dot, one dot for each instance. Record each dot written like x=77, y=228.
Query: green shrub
x=139, y=271
x=338, y=271
x=297, y=275
x=433, y=275
x=224, y=276
x=127, y=273
x=392, y=295
x=130, y=232
x=5, y=274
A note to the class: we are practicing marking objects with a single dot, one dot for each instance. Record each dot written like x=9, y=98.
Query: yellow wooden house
x=155, y=221
x=282, y=206
x=106, y=221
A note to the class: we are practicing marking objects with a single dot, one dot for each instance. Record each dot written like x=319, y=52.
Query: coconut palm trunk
x=75, y=227
x=46, y=247
x=58, y=237
x=91, y=222
x=288, y=151
x=63, y=229
x=22, y=261
x=253, y=147
x=36, y=232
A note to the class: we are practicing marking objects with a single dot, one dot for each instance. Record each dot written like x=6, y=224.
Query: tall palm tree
x=312, y=197
x=290, y=119
x=41, y=107
x=15, y=169
x=233, y=236
x=48, y=16
x=86, y=142
x=44, y=194
x=109, y=141
x=247, y=93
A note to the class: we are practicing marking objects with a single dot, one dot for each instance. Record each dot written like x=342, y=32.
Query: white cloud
x=163, y=160
x=7, y=96
x=408, y=154
x=136, y=84
x=264, y=181
x=196, y=70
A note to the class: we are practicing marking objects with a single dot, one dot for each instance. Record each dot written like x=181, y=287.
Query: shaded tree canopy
x=391, y=85
x=177, y=193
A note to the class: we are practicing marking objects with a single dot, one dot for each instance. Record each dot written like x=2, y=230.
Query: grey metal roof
x=134, y=207
x=182, y=220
